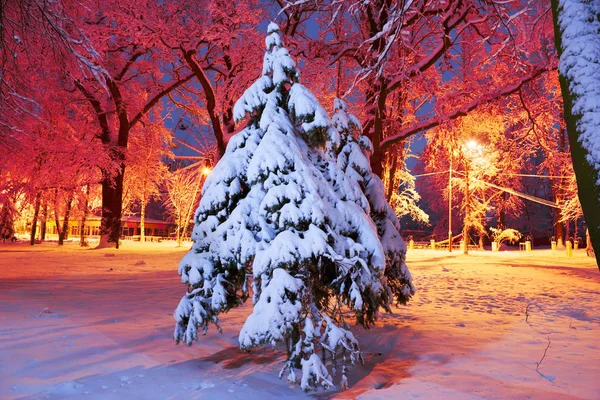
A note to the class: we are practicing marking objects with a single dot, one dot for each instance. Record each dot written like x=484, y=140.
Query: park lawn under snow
x=80, y=323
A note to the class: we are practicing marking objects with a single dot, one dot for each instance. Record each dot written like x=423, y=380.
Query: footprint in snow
x=206, y=385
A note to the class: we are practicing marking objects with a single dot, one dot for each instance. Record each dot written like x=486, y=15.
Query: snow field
x=107, y=331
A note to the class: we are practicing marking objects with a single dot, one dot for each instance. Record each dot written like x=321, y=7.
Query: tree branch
x=159, y=96
x=124, y=124
x=465, y=109
x=448, y=25
x=128, y=65
x=210, y=99
x=100, y=114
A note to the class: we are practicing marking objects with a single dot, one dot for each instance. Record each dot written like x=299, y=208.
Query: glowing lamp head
x=472, y=144
x=206, y=170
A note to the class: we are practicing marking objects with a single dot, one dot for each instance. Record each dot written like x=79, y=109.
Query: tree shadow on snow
x=387, y=361
x=233, y=358
x=578, y=271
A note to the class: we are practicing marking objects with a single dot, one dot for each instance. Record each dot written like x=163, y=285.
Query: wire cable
x=518, y=194
x=431, y=173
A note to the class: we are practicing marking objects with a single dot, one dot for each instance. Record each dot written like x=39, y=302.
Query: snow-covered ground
x=98, y=324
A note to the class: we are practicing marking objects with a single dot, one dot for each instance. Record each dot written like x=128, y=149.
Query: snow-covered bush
x=8, y=213
x=500, y=235
x=278, y=209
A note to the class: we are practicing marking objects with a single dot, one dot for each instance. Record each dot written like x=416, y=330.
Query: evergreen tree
x=353, y=158
x=276, y=207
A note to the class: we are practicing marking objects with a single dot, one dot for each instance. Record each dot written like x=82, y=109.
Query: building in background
x=130, y=228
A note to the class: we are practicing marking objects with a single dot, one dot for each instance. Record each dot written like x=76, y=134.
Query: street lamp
x=453, y=154
x=471, y=149
x=472, y=145
x=450, y=205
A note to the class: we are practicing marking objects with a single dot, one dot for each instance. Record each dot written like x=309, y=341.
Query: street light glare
x=472, y=144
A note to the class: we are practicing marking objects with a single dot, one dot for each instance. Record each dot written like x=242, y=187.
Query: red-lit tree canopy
x=110, y=70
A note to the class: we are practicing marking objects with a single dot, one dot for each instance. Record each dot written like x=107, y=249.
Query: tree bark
x=501, y=219
x=376, y=134
x=179, y=236
x=44, y=218
x=560, y=231
x=62, y=231
x=65, y=227
x=36, y=212
x=585, y=172
x=502, y=212
x=112, y=194
x=392, y=172
x=86, y=194
x=589, y=249
x=142, y=217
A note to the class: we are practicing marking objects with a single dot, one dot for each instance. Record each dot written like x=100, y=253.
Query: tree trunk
x=179, y=230
x=142, y=217
x=557, y=188
x=589, y=250
x=86, y=194
x=35, y=217
x=585, y=171
x=56, y=214
x=502, y=213
x=560, y=230
x=228, y=121
x=377, y=134
x=62, y=231
x=112, y=192
x=392, y=172
x=64, y=234
x=44, y=218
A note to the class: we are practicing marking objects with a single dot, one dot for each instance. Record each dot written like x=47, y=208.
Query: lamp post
x=450, y=206
x=466, y=220
x=473, y=149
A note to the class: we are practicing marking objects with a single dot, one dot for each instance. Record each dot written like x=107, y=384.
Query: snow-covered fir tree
x=353, y=158
x=276, y=208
